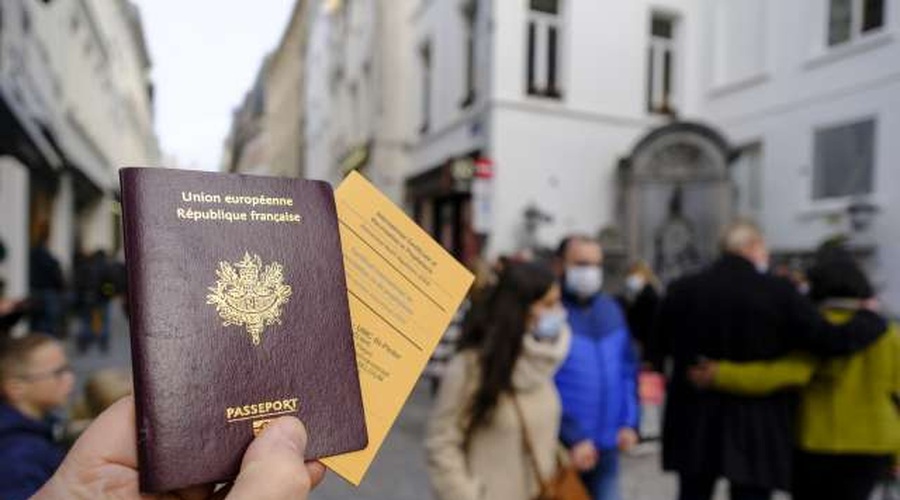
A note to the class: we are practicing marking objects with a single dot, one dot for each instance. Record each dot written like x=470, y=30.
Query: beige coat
x=496, y=466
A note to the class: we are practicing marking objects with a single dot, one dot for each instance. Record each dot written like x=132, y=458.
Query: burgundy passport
x=238, y=314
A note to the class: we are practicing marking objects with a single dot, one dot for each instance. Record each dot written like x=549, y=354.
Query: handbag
x=566, y=483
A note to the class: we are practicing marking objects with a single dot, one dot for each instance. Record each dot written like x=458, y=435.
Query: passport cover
x=239, y=314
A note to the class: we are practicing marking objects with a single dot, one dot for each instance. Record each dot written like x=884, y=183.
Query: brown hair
x=494, y=329
x=15, y=354
x=641, y=268
x=567, y=241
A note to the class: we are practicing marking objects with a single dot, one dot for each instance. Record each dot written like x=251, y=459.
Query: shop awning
x=21, y=135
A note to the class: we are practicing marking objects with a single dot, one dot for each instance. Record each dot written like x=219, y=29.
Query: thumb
x=273, y=466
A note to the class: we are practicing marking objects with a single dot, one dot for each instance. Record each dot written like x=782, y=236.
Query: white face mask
x=549, y=324
x=584, y=281
x=635, y=283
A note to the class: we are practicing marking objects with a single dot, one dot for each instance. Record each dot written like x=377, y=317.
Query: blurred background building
x=358, y=90
x=809, y=92
x=245, y=149
x=75, y=105
x=267, y=128
x=505, y=125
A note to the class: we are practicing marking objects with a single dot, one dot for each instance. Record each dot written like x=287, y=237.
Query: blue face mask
x=549, y=324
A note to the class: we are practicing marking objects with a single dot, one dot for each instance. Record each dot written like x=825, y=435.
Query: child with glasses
x=35, y=379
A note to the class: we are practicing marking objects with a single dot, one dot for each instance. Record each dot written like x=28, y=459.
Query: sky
x=205, y=54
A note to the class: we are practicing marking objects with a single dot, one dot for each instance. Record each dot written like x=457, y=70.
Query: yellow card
x=404, y=288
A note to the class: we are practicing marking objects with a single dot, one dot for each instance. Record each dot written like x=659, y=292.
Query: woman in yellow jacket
x=849, y=413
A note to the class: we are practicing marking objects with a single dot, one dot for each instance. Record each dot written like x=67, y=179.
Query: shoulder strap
x=526, y=440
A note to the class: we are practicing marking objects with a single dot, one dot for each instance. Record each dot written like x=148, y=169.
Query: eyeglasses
x=55, y=374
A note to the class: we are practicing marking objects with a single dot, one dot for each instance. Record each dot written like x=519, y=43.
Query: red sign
x=484, y=168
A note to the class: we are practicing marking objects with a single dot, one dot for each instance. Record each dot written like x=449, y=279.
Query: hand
x=103, y=464
x=703, y=375
x=8, y=306
x=584, y=455
x=627, y=438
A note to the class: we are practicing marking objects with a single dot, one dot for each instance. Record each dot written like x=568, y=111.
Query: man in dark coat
x=45, y=277
x=735, y=310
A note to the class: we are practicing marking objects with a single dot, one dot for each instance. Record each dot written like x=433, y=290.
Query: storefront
x=53, y=190
x=30, y=166
x=441, y=199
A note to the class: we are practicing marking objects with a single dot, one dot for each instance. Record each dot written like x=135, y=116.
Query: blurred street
x=399, y=472
x=702, y=193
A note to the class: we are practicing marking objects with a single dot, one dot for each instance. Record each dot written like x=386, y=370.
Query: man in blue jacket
x=597, y=381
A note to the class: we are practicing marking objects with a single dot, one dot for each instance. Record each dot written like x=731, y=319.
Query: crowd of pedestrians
x=772, y=384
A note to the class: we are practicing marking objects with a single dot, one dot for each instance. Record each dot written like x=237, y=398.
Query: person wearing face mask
x=735, y=310
x=640, y=301
x=597, y=382
x=497, y=393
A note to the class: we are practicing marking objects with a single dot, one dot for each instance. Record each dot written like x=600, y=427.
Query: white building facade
x=559, y=94
x=554, y=93
x=810, y=92
x=76, y=105
x=356, y=85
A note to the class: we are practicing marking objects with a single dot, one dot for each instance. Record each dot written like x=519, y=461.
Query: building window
x=844, y=160
x=425, y=67
x=544, y=36
x=851, y=19
x=746, y=175
x=661, y=59
x=469, y=18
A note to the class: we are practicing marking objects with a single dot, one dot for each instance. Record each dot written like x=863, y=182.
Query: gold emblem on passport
x=249, y=294
x=260, y=425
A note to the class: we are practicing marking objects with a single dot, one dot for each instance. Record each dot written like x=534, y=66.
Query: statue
x=675, y=245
